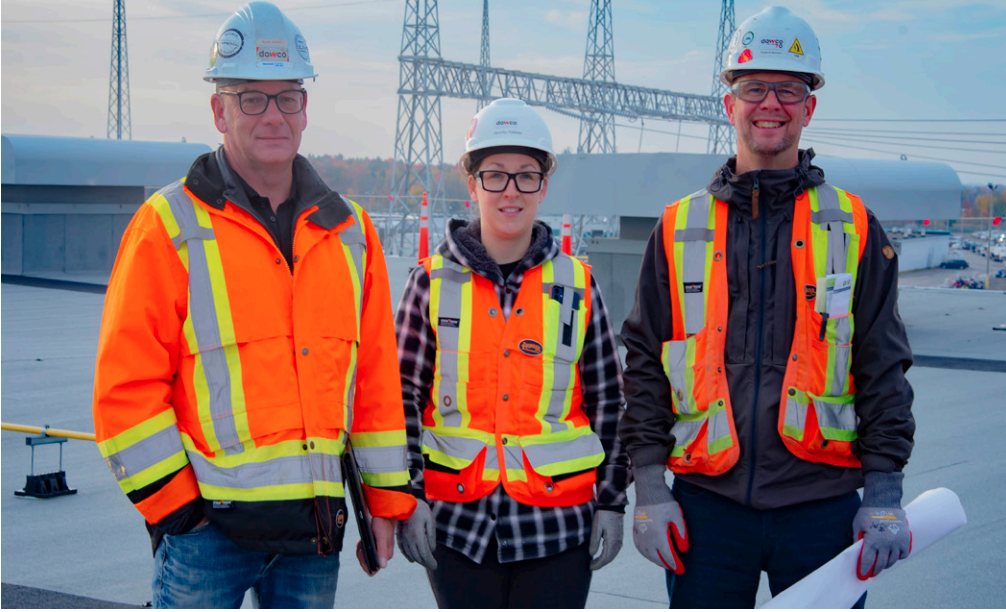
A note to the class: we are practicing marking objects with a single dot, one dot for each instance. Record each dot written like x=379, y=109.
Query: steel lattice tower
x=484, y=56
x=597, y=130
x=419, y=152
x=721, y=137
x=119, y=122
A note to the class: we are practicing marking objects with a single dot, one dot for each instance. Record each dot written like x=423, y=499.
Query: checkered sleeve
x=417, y=346
x=603, y=403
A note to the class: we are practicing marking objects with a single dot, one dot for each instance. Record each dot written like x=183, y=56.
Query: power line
x=192, y=16
x=909, y=132
x=860, y=134
x=921, y=120
x=916, y=146
x=939, y=159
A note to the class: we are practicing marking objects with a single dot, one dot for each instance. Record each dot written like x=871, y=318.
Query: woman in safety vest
x=512, y=392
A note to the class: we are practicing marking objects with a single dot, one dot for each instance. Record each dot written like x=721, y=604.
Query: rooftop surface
x=93, y=544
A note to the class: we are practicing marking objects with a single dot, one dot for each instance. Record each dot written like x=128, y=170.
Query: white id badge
x=839, y=288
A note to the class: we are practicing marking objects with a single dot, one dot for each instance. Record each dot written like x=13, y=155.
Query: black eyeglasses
x=788, y=92
x=496, y=181
x=289, y=102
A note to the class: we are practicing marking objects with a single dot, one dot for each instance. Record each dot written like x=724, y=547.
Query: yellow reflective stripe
x=580, y=282
x=490, y=474
x=551, y=314
x=154, y=473
x=348, y=390
x=436, y=263
x=514, y=475
x=464, y=352
x=137, y=433
x=681, y=222
x=710, y=252
x=559, y=436
x=386, y=479
x=353, y=272
x=818, y=237
x=275, y=492
x=370, y=439
x=852, y=254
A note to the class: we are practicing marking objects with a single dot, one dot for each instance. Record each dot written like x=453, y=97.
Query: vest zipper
x=759, y=342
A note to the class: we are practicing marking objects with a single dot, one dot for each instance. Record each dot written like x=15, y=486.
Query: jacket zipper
x=758, y=343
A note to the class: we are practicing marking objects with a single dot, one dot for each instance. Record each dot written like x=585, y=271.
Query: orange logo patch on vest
x=810, y=292
x=340, y=519
x=531, y=348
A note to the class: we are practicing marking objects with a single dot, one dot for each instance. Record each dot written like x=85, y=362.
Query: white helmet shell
x=259, y=43
x=774, y=40
x=508, y=122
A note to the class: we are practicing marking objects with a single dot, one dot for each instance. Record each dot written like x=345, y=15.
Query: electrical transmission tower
x=484, y=56
x=597, y=129
x=119, y=122
x=721, y=136
x=419, y=153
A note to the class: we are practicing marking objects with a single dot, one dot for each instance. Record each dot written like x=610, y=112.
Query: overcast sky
x=890, y=60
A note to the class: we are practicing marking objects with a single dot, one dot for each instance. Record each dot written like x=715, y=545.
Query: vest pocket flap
x=560, y=453
x=455, y=452
x=836, y=417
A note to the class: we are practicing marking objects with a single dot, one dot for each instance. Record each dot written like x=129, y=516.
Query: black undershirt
x=508, y=269
x=279, y=223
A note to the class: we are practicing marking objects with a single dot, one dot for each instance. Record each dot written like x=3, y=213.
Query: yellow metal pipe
x=49, y=431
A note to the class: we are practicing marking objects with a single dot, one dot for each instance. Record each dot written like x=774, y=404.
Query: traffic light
x=925, y=222
x=997, y=221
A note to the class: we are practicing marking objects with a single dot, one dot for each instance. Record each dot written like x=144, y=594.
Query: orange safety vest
x=817, y=417
x=258, y=402
x=505, y=401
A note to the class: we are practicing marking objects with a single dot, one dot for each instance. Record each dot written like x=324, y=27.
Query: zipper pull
x=754, y=198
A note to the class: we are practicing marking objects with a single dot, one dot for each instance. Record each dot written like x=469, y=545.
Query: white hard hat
x=259, y=43
x=774, y=40
x=509, y=122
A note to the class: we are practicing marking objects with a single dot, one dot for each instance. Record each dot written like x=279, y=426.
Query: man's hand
x=658, y=528
x=607, y=526
x=417, y=536
x=881, y=524
x=384, y=537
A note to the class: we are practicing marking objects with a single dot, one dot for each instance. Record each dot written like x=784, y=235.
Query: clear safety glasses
x=788, y=92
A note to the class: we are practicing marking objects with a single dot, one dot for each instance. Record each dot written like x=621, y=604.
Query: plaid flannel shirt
x=522, y=531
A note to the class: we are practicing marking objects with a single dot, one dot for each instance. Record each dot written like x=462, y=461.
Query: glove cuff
x=883, y=490
x=651, y=488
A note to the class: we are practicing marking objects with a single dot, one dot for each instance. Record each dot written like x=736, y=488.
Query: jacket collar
x=212, y=180
x=777, y=189
x=463, y=244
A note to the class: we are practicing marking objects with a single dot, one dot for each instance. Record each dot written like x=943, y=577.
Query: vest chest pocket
x=455, y=465
x=693, y=384
x=563, y=321
x=560, y=467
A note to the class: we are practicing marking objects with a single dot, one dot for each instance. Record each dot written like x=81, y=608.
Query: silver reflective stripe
x=543, y=455
x=513, y=457
x=841, y=372
x=492, y=459
x=149, y=451
x=452, y=282
x=694, y=234
x=693, y=262
x=719, y=427
x=192, y=233
x=354, y=238
x=835, y=416
x=685, y=432
x=831, y=214
x=674, y=354
x=203, y=313
x=796, y=414
x=454, y=446
x=278, y=471
x=830, y=207
x=380, y=459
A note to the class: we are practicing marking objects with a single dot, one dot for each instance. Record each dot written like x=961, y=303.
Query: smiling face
x=258, y=143
x=507, y=216
x=768, y=132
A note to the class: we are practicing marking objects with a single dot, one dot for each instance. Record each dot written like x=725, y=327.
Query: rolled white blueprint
x=931, y=517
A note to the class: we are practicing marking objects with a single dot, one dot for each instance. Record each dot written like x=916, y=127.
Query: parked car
x=957, y=264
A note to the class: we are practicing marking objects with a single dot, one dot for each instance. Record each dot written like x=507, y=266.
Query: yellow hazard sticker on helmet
x=795, y=48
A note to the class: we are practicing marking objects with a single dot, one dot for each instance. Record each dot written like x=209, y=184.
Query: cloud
x=567, y=19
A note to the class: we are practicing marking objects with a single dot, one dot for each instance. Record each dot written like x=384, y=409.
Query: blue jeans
x=205, y=569
x=729, y=545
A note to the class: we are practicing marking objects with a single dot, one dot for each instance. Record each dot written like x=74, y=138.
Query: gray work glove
x=417, y=536
x=607, y=525
x=658, y=518
x=881, y=524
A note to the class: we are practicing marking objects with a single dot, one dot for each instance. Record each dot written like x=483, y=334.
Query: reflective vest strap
x=354, y=245
x=451, y=317
x=668, y=223
x=693, y=248
x=456, y=448
x=209, y=326
x=573, y=450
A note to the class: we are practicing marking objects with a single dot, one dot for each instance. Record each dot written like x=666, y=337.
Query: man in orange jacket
x=247, y=338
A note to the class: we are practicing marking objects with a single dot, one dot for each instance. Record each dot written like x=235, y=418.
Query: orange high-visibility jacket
x=817, y=417
x=505, y=405
x=224, y=376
